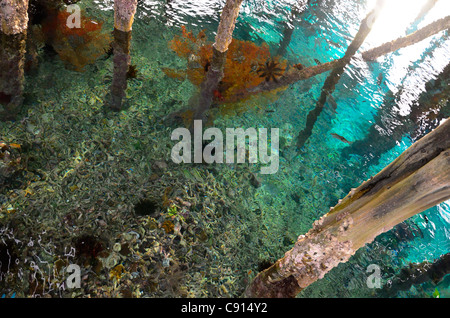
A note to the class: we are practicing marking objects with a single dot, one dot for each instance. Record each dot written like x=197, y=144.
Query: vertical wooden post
x=124, y=11
x=220, y=47
x=289, y=28
x=13, y=33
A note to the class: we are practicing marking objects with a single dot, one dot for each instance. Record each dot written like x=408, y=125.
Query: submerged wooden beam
x=13, y=34
x=296, y=11
x=417, y=180
x=418, y=273
x=430, y=108
x=294, y=75
x=335, y=75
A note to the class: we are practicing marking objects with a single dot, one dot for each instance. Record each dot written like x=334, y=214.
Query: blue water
x=308, y=183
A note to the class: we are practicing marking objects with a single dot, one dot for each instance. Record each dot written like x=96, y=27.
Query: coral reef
x=242, y=68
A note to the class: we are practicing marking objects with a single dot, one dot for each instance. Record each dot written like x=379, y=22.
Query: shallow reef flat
x=82, y=184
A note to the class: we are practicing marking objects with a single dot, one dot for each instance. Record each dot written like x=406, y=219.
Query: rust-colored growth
x=179, y=75
x=58, y=23
x=243, y=60
x=117, y=272
x=166, y=197
x=186, y=116
x=168, y=226
x=77, y=47
x=187, y=43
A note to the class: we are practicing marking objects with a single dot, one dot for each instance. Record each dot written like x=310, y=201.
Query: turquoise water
x=86, y=169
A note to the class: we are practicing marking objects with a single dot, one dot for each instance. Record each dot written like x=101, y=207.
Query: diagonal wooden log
x=413, y=38
x=335, y=75
x=417, y=180
x=294, y=75
x=418, y=273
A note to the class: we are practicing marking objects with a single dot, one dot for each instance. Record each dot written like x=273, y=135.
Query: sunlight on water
x=444, y=211
x=397, y=16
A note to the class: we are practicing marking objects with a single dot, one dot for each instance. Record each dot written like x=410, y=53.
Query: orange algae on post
x=241, y=69
x=243, y=60
x=186, y=44
x=253, y=102
x=77, y=47
x=168, y=226
x=179, y=75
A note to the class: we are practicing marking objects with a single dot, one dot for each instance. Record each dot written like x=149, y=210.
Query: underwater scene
x=224, y=148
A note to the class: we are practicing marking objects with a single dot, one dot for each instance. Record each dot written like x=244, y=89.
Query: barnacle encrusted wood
x=124, y=11
x=226, y=26
x=13, y=33
x=13, y=16
x=417, y=180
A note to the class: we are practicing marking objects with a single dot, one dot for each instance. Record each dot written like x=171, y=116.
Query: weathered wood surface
x=417, y=180
x=124, y=11
x=13, y=35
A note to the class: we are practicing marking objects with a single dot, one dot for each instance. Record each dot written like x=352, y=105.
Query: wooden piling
x=13, y=34
x=124, y=11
